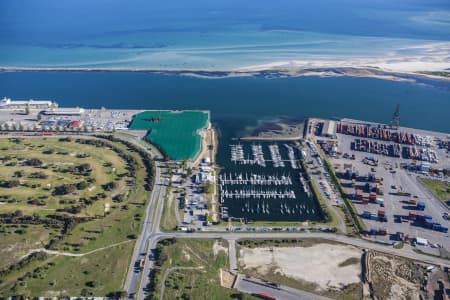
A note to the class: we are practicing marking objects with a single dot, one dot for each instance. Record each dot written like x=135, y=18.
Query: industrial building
x=329, y=129
x=7, y=103
x=65, y=112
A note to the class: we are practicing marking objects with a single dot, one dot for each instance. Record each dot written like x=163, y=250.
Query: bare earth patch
x=227, y=279
x=217, y=247
x=325, y=265
x=392, y=277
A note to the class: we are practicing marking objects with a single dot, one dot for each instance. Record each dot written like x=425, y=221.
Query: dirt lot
x=391, y=277
x=328, y=266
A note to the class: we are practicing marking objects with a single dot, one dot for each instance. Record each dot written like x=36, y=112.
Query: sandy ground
x=430, y=57
x=318, y=264
x=217, y=247
x=227, y=279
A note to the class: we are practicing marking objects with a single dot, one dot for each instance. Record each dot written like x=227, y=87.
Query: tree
x=82, y=185
x=34, y=162
x=64, y=189
x=19, y=173
x=90, y=284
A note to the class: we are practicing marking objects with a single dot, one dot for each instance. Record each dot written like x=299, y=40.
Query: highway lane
x=143, y=243
x=134, y=273
x=153, y=239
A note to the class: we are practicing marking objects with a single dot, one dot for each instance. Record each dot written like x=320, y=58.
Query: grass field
x=175, y=132
x=90, y=275
x=58, y=166
x=201, y=282
x=14, y=244
x=112, y=233
x=440, y=189
x=169, y=220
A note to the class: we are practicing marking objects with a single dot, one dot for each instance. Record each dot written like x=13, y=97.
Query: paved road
x=232, y=255
x=256, y=286
x=140, y=248
x=152, y=241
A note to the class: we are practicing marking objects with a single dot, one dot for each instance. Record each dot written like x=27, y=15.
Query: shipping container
x=382, y=231
x=412, y=202
x=421, y=205
x=366, y=214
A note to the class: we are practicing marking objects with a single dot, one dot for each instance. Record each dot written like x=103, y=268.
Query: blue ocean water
x=217, y=34
x=239, y=101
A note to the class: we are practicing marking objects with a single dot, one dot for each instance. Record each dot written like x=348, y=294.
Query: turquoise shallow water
x=217, y=34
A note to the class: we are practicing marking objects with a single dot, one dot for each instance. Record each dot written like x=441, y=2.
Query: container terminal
x=380, y=168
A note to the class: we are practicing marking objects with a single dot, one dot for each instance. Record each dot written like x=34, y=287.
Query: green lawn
x=440, y=189
x=169, y=220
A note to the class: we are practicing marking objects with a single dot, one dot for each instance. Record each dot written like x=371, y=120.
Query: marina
x=254, y=179
x=264, y=182
x=257, y=194
x=258, y=155
x=237, y=153
x=291, y=155
x=276, y=156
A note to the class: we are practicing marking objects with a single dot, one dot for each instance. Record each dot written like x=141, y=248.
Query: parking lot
x=66, y=119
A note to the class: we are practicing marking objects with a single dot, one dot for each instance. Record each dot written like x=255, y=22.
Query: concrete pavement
x=232, y=255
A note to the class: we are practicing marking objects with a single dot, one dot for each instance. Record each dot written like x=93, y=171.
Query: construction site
x=340, y=271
